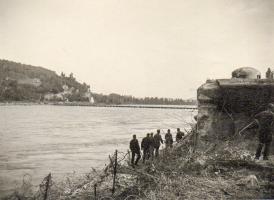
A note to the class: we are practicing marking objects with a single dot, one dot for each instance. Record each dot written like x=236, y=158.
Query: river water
x=39, y=139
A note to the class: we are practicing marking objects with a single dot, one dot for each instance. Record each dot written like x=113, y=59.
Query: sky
x=163, y=48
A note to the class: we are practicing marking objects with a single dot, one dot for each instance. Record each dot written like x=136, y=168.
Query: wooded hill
x=21, y=82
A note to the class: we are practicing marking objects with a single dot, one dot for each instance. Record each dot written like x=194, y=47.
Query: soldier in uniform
x=264, y=121
x=157, y=142
x=145, y=147
x=135, y=150
x=169, y=139
x=151, y=146
x=179, y=135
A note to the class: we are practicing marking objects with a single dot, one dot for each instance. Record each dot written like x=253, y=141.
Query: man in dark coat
x=179, y=135
x=169, y=139
x=264, y=121
x=151, y=146
x=145, y=147
x=135, y=149
x=157, y=142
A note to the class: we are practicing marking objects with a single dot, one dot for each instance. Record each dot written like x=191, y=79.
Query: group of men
x=263, y=121
x=150, y=145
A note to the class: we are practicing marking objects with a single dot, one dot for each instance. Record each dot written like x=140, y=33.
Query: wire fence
x=97, y=185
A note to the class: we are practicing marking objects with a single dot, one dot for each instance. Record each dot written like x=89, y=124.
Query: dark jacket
x=145, y=143
x=134, y=146
x=179, y=135
x=168, y=138
x=157, y=140
x=151, y=142
x=265, y=122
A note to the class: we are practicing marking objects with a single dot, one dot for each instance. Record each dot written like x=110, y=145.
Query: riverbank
x=220, y=170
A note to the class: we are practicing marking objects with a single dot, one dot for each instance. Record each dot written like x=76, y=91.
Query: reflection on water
x=61, y=139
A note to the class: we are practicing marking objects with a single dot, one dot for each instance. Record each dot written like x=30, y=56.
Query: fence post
x=195, y=136
x=129, y=158
x=95, y=193
x=47, y=186
x=114, y=172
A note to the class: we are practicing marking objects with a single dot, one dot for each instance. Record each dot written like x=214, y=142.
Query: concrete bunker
x=226, y=105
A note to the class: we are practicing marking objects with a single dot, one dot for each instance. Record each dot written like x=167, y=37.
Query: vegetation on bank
x=127, y=99
x=20, y=82
x=216, y=169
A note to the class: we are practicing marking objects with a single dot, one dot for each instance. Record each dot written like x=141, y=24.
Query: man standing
x=135, y=149
x=151, y=146
x=169, y=139
x=179, y=135
x=265, y=120
x=145, y=148
x=157, y=142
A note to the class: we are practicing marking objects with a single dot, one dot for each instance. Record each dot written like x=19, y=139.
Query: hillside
x=20, y=82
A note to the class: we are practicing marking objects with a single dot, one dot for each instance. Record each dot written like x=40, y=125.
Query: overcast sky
x=164, y=48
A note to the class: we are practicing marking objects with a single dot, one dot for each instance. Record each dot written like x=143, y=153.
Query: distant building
x=71, y=90
x=89, y=96
x=30, y=81
x=53, y=97
x=65, y=95
x=65, y=87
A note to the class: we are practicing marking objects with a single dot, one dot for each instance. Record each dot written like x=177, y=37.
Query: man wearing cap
x=264, y=121
x=157, y=142
x=169, y=139
x=151, y=146
x=179, y=135
x=145, y=147
x=135, y=150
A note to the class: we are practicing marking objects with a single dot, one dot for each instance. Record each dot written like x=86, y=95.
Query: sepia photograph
x=136, y=99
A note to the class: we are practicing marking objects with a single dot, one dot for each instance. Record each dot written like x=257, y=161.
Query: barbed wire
x=49, y=189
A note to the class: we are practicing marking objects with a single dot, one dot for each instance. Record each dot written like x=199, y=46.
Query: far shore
x=99, y=105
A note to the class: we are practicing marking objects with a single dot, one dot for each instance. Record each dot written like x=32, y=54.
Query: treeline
x=127, y=99
x=11, y=89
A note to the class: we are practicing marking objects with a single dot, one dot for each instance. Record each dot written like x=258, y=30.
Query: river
x=38, y=139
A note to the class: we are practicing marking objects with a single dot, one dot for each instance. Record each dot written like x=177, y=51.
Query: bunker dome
x=246, y=72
